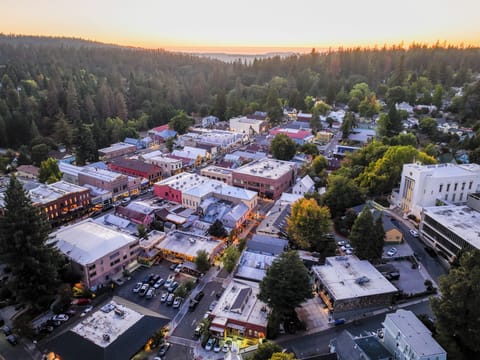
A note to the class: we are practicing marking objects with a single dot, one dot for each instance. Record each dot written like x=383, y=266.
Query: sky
x=247, y=26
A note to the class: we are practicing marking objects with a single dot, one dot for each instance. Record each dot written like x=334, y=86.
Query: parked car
x=143, y=290
x=159, y=283
x=209, y=344
x=6, y=330
x=176, y=303
x=137, y=287
x=349, y=251
x=170, y=299
x=60, y=317
x=199, y=329
x=414, y=233
x=154, y=279
x=173, y=266
x=169, y=281
x=173, y=287
x=192, y=305
x=226, y=346
x=82, y=301
x=147, y=278
x=199, y=296
x=150, y=293
x=162, y=350
x=178, y=268
x=217, y=347
x=164, y=297
x=12, y=339
x=212, y=305
x=392, y=251
x=86, y=310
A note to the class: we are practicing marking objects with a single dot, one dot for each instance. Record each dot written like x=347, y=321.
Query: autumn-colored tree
x=309, y=225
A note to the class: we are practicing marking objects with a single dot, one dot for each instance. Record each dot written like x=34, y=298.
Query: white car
x=177, y=302
x=86, y=310
x=414, y=233
x=392, y=251
x=137, y=287
x=164, y=297
x=210, y=344
x=60, y=317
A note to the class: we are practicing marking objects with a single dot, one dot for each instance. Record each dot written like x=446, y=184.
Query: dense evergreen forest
x=76, y=92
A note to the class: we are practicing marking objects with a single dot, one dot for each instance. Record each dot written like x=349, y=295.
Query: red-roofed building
x=298, y=135
x=138, y=168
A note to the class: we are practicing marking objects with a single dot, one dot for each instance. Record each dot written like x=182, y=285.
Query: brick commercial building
x=350, y=286
x=106, y=180
x=135, y=167
x=269, y=177
x=61, y=201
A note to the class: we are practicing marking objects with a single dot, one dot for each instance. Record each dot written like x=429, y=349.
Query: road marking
x=194, y=321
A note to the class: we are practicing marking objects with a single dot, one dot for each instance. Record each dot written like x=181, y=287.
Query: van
x=199, y=329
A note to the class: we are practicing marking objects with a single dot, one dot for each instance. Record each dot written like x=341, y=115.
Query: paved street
x=307, y=345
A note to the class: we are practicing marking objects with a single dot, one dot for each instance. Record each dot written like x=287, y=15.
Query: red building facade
x=139, y=168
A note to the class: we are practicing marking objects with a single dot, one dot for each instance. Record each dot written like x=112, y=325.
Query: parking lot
x=154, y=303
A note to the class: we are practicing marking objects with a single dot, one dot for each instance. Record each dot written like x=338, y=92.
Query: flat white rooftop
x=183, y=181
x=88, y=241
x=239, y=302
x=245, y=120
x=446, y=170
x=216, y=169
x=113, y=321
x=461, y=220
x=188, y=243
x=117, y=146
x=269, y=168
x=253, y=266
x=105, y=175
x=347, y=277
x=45, y=194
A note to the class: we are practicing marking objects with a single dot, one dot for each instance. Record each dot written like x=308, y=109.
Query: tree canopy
x=26, y=248
x=458, y=308
x=367, y=235
x=217, y=229
x=286, y=284
x=180, y=123
x=309, y=225
x=202, y=261
x=282, y=147
x=49, y=171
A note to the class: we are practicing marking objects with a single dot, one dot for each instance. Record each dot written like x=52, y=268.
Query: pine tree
x=365, y=234
x=26, y=249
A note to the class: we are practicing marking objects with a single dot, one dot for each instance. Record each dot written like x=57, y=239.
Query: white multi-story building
x=429, y=185
x=247, y=126
x=449, y=229
x=408, y=339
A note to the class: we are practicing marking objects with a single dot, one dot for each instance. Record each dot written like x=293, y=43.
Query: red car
x=82, y=301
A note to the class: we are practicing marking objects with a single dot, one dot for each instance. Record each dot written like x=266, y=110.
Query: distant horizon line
x=256, y=49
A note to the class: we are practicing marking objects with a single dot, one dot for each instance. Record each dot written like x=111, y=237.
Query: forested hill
x=55, y=90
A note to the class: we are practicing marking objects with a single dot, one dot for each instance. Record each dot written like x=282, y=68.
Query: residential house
x=405, y=336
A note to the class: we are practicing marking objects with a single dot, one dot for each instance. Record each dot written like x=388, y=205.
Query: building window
x=461, y=197
x=448, y=187
x=440, y=188
x=453, y=197
x=463, y=186
x=470, y=185
x=455, y=187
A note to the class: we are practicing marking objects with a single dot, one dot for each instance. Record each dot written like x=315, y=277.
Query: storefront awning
x=217, y=329
x=236, y=327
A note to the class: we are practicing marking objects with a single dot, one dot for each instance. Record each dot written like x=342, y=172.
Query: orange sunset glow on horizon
x=247, y=26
